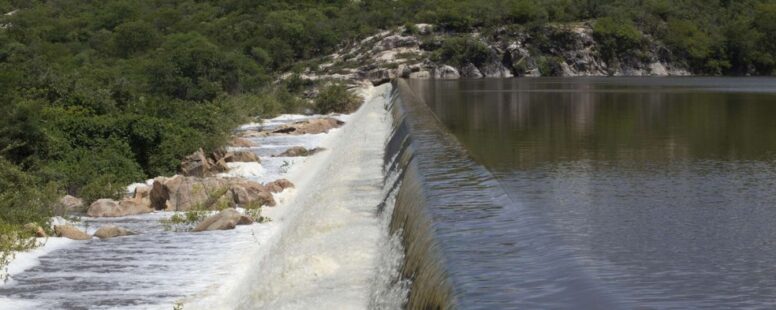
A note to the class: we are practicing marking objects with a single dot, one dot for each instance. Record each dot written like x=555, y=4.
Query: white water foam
x=325, y=252
x=156, y=268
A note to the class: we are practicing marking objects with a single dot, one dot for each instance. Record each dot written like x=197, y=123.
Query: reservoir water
x=604, y=192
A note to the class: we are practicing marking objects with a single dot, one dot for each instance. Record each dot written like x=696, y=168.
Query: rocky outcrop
x=112, y=231
x=112, y=208
x=553, y=50
x=70, y=232
x=298, y=151
x=72, y=204
x=180, y=193
x=226, y=219
x=200, y=164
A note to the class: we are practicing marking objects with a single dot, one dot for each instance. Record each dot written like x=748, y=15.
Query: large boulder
x=181, y=193
x=112, y=208
x=226, y=219
x=247, y=193
x=70, y=232
x=446, y=72
x=471, y=71
x=298, y=151
x=110, y=231
x=201, y=165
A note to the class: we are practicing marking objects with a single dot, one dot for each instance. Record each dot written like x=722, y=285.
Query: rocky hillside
x=554, y=50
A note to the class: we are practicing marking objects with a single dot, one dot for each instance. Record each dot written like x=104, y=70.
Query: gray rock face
x=446, y=72
x=471, y=71
x=111, y=231
x=226, y=219
x=70, y=232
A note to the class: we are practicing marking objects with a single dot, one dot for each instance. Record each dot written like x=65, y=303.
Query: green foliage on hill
x=99, y=93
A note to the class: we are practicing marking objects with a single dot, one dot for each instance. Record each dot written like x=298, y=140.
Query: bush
x=335, y=97
x=616, y=37
x=459, y=51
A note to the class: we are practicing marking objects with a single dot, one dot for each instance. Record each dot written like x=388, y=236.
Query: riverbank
x=197, y=269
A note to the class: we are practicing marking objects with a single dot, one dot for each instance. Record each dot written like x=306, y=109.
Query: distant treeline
x=97, y=94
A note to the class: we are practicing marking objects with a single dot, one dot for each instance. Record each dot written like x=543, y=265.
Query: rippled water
x=622, y=192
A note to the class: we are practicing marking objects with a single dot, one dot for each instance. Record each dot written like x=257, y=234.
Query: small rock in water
x=110, y=231
x=299, y=151
x=70, y=232
x=242, y=156
x=226, y=219
x=279, y=185
x=241, y=142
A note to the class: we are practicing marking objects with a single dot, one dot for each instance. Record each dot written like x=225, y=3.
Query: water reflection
x=656, y=193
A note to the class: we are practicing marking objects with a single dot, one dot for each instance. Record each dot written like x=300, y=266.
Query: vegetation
x=97, y=94
x=335, y=97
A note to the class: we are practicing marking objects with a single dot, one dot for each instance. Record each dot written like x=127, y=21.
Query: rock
x=36, y=229
x=395, y=41
x=70, y=232
x=196, y=164
x=245, y=220
x=311, y=126
x=471, y=71
x=421, y=75
x=298, y=151
x=112, y=208
x=446, y=72
x=245, y=193
x=380, y=76
x=226, y=219
x=241, y=142
x=110, y=231
x=495, y=70
x=279, y=185
x=72, y=204
x=181, y=193
x=242, y=156
x=142, y=192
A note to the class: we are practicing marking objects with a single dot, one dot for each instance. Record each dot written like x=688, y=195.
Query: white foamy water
x=319, y=250
x=327, y=252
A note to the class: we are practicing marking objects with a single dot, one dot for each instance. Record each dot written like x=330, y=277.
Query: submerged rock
x=71, y=232
x=110, y=231
x=226, y=219
x=112, y=208
x=298, y=151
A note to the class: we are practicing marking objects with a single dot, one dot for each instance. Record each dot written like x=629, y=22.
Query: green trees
x=335, y=97
x=616, y=37
x=459, y=51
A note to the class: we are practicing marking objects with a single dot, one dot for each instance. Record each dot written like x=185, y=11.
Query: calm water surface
x=624, y=192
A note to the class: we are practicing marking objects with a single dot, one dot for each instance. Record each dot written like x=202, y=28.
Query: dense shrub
x=459, y=51
x=616, y=37
x=335, y=97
